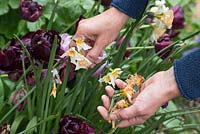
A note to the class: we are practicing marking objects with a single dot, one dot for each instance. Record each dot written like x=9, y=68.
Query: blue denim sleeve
x=187, y=75
x=133, y=8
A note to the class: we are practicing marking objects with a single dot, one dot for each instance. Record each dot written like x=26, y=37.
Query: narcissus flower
x=72, y=125
x=30, y=10
x=162, y=43
x=163, y=18
x=81, y=45
x=17, y=96
x=77, y=59
x=111, y=77
x=5, y=129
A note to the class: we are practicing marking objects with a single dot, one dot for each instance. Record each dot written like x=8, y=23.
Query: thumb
x=125, y=114
x=96, y=50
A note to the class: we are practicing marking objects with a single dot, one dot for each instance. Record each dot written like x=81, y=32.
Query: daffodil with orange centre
x=163, y=19
x=83, y=63
x=111, y=76
x=81, y=45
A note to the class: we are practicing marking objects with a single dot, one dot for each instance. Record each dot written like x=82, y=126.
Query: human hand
x=100, y=30
x=155, y=92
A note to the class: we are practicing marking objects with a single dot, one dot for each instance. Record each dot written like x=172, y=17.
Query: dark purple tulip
x=179, y=19
x=15, y=75
x=17, y=96
x=162, y=43
x=30, y=10
x=72, y=125
x=5, y=129
x=62, y=71
x=77, y=22
x=11, y=59
x=41, y=44
x=165, y=105
x=105, y=3
x=119, y=43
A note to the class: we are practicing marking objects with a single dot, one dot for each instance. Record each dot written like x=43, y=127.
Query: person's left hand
x=155, y=92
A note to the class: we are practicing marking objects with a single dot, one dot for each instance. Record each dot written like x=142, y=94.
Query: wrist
x=118, y=17
x=172, y=88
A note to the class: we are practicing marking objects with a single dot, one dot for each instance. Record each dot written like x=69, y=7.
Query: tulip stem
x=136, y=48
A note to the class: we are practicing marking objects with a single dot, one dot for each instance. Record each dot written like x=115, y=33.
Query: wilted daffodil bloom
x=81, y=45
x=111, y=76
x=30, y=10
x=163, y=18
x=56, y=80
x=123, y=98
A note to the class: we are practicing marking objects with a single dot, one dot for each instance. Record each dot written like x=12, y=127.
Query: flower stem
x=135, y=48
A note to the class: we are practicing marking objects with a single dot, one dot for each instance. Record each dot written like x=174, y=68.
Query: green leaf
x=30, y=125
x=9, y=23
x=16, y=123
x=22, y=27
x=42, y=2
x=14, y=4
x=33, y=26
x=2, y=42
x=4, y=7
x=174, y=2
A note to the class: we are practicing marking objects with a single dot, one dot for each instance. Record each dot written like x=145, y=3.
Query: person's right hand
x=155, y=92
x=100, y=30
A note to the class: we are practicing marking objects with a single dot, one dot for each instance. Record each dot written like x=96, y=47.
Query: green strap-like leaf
x=16, y=123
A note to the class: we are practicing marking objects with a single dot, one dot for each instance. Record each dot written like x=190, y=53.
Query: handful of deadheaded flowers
x=123, y=98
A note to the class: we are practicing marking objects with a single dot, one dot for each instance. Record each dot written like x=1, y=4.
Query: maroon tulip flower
x=165, y=105
x=5, y=129
x=119, y=43
x=11, y=58
x=72, y=125
x=41, y=44
x=105, y=3
x=162, y=43
x=179, y=19
x=30, y=10
x=63, y=69
x=17, y=96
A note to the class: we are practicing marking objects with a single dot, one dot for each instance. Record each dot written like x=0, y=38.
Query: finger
x=96, y=51
x=72, y=44
x=106, y=101
x=133, y=121
x=120, y=83
x=124, y=114
x=103, y=112
x=110, y=91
